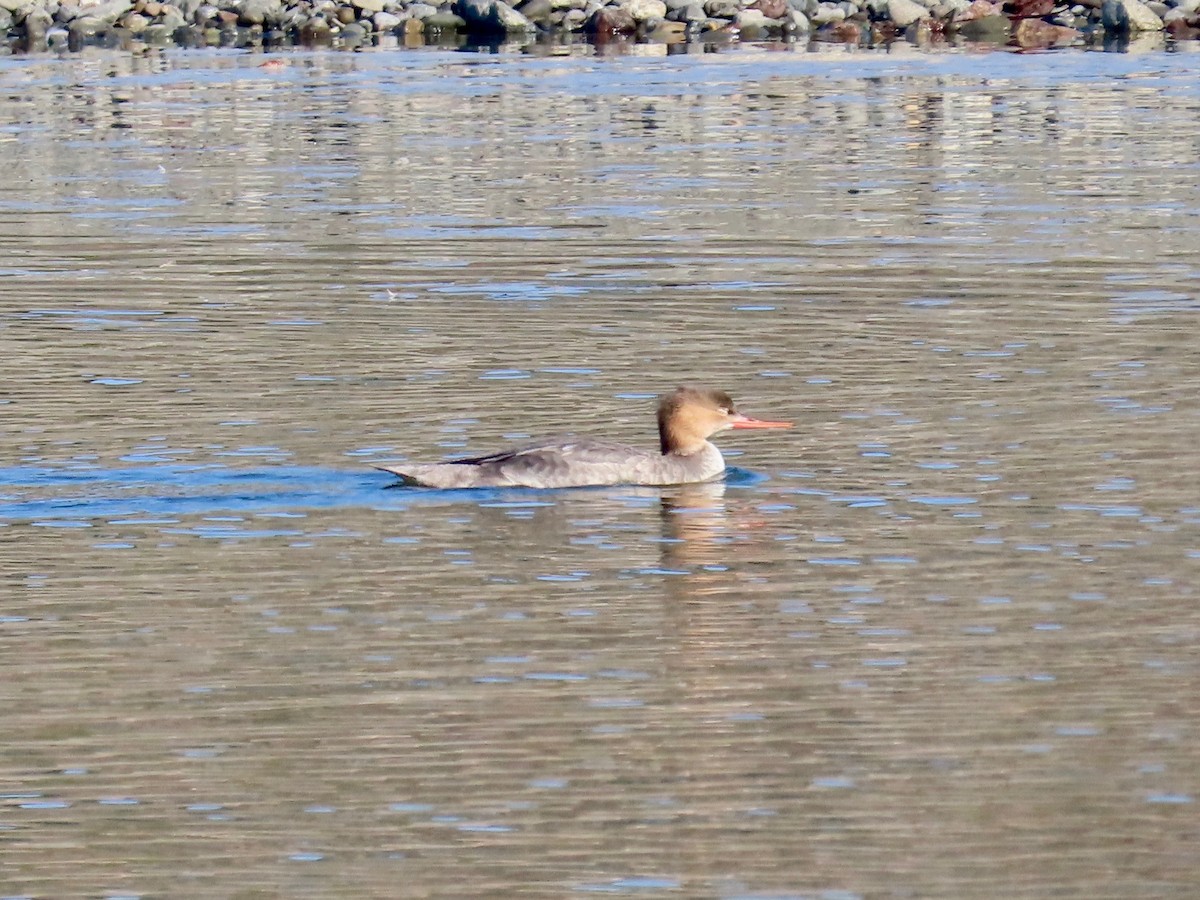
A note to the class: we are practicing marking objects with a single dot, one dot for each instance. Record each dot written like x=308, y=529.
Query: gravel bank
x=37, y=25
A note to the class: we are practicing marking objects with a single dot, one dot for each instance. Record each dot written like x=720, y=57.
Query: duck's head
x=689, y=416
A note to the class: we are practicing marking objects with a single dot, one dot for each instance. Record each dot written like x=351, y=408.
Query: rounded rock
x=722, y=9
x=828, y=14
x=157, y=34
x=771, y=9
x=611, y=20
x=904, y=12
x=645, y=10
x=536, y=10
x=446, y=22
x=36, y=23
x=751, y=19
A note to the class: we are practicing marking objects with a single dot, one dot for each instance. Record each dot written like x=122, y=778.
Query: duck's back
x=565, y=462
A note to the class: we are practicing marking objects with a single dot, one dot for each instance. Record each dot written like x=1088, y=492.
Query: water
x=937, y=639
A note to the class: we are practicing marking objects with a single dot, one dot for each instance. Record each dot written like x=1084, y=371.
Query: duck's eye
x=724, y=410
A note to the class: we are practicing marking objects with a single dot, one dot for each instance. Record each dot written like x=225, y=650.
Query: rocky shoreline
x=39, y=25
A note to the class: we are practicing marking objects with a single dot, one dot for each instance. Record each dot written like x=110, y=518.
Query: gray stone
x=668, y=32
x=797, y=22
x=157, y=34
x=536, y=10
x=689, y=13
x=57, y=37
x=353, y=35
x=83, y=29
x=1159, y=9
x=574, y=19
x=722, y=9
x=368, y=6
x=751, y=19
x=36, y=23
x=986, y=29
x=491, y=17
x=510, y=20
x=171, y=18
x=385, y=21
x=645, y=10
x=250, y=12
x=904, y=12
x=134, y=23
x=949, y=8
x=828, y=14
x=444, y=22
x=260, y=12
x=108, y=11
x=1123, y=16
x=420, y=11
x=1142, y=17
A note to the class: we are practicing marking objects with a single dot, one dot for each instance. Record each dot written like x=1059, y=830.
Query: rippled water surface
x=938, y=641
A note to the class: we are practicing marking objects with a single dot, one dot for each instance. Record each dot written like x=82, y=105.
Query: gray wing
x=560, y=462
x=580, y=449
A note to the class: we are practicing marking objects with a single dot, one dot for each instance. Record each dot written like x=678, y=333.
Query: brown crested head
x=690, y=415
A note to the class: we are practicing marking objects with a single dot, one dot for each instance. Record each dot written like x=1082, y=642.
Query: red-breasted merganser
x=687, y=418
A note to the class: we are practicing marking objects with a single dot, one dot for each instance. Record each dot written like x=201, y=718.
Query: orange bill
x=740, y=421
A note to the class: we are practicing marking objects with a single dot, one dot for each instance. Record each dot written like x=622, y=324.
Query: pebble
x=827, y=14
x=1124, y=16
x=385, y=21
x=751, y=18
x=75, y=24
x=993, y=29
x=645, y=10
x=904, y=12
x=1037, y=34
